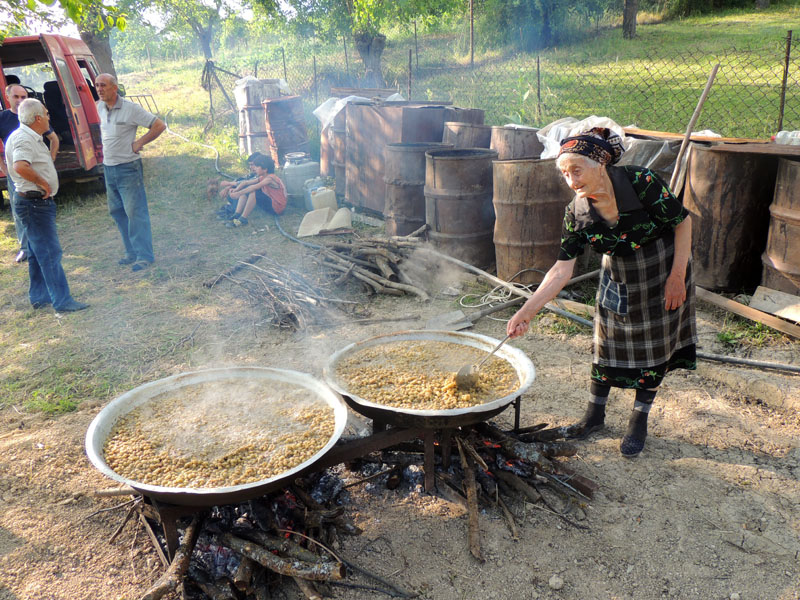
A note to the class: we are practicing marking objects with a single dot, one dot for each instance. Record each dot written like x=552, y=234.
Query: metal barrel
x=728, y=195
x=286, y=127
x=467, y=135
x=404, y=175
x=529, y=200
x=513, y=143
x=781, y=260
x=458, y=203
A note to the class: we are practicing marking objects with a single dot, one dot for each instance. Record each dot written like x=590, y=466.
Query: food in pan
x=420, y=374
x=219, y=434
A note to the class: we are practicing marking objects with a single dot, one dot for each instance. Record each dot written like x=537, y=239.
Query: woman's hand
x=674, y=291
x=518, y=325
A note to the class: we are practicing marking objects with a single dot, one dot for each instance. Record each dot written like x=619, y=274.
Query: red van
x=59, y=71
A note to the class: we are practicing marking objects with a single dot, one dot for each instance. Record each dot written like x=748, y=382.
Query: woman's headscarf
x=599, y=143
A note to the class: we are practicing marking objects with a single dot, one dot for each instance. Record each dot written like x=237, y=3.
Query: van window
x=66, y=79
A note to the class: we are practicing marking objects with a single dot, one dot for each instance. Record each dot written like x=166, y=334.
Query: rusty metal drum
x=467, y=135
x=728, y=195
x=513, y=143
x=458, y=203
x=781, y=260
x=404, y=174
x=529, y=201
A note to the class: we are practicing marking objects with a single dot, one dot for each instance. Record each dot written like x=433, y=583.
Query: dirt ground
x=710, y=510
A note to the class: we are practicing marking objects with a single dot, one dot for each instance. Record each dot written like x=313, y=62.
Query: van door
x=67, y=73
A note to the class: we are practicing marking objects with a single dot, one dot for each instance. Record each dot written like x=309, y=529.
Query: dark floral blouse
x=647, y=211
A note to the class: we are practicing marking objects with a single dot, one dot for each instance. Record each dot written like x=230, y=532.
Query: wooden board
x=769, y=149
x=666, y=135
x=748, y=312
x=777, y=303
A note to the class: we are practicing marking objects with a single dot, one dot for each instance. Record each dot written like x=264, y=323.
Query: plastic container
x=296, y=171
x=322, y=198
x=317, y=195
x=791, y=138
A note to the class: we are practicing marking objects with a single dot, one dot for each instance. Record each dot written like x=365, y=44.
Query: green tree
x=364, y=20
x=19, y=11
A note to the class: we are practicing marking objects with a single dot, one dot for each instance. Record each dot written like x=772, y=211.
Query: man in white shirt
x=36, y=182
x=9, y=122
x=127, y=201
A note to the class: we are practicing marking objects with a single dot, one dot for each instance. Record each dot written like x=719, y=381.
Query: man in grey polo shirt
x=127, y=202
x=31, y=168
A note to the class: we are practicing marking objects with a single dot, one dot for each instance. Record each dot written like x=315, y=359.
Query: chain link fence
x=756, y=91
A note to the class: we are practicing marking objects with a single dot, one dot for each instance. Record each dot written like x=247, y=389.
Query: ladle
x=467, y=375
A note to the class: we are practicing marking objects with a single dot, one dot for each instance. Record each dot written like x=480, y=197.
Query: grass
x=738, y=332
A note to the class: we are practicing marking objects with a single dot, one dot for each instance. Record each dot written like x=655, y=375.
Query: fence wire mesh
x=756, y=91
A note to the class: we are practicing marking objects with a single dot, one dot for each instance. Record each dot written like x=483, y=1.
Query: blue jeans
x=23, y=240
x=127, y=204
x=48, y=280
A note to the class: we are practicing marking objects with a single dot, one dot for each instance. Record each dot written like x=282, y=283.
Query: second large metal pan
x=432, y=419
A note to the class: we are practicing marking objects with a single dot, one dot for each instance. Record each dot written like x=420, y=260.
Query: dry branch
x=322, y=571
x=173, y=577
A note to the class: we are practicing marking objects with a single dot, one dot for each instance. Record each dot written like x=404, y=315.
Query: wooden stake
x=474, y=533
x=748, y=313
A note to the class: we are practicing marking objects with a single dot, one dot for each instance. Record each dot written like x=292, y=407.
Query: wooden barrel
x=467, y=135
x=728, y=195
x=404, y=174
x=458, y=203
x=529, y=201
x=286, y=127
x=512, y=143
x=782, y=258
x=339, y=148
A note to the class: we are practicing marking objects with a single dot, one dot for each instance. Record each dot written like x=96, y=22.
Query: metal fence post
x=346, y=63
x=409, y=73
x=416, y=44
x=471, y=34
x=285, y=76
x=538, y=92
x=785, y=77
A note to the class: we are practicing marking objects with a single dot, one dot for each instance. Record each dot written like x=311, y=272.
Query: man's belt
x=31, y=195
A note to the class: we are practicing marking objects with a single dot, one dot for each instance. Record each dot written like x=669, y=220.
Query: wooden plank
x=666, y=135
x=777, y=303
x=575, y=307
x=748, y=313
x=768, y=149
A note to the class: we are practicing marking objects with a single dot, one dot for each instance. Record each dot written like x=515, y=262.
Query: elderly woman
x=644, y=322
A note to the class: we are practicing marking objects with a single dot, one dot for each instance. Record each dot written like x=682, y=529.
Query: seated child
x=268, y=192
x=226, y=211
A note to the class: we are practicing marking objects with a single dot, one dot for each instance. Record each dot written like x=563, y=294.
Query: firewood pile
x=292, y=300
x=376, y=263
x=249, y=550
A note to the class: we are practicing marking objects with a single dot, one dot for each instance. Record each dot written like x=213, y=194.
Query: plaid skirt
x=636, y=340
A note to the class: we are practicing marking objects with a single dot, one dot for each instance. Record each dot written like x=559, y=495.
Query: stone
x=556, y=582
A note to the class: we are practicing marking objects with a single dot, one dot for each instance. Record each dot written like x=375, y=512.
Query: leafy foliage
x=103, y=16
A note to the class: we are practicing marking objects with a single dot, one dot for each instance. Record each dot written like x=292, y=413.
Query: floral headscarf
x=599, y=143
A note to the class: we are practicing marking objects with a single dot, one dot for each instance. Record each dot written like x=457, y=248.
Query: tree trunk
x=101, y=48
x=370, y=48
x=547, y=12
x=629, y=19
x=762, y=4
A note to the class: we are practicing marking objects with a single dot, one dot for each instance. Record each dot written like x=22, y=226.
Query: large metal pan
x=103, y=423
x=432, y=419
